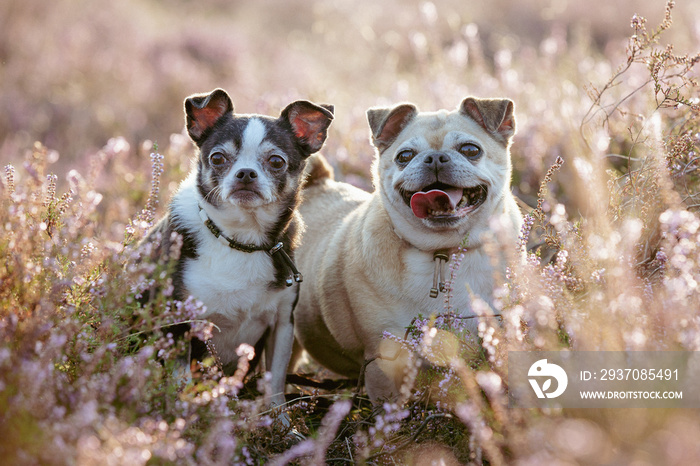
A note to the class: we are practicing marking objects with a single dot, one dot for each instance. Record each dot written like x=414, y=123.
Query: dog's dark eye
x=470, y=150
x=276, y=162
x=217, y=159
x=405, y=156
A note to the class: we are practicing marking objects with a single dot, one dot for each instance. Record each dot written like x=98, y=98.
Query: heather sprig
x=144, y=220
x=10, y=178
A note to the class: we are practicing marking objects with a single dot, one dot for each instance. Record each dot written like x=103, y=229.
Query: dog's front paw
x=293, y=437
x=182, y=375
x=288, y=433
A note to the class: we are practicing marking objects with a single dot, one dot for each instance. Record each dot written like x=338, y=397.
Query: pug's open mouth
x=440, y=201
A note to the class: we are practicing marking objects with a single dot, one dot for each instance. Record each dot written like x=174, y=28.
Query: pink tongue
x=436, y=199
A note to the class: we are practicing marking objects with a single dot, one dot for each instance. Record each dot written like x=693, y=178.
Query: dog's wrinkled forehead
x=439, y=128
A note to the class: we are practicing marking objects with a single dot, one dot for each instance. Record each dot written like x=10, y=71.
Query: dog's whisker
x=216, y=190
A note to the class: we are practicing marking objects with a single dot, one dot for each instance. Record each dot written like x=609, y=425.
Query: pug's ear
x=387, y=123
x=202, y=111
x=309, y=122
x=494, y=115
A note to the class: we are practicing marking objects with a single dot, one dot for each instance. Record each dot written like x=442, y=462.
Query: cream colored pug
x=371, y=262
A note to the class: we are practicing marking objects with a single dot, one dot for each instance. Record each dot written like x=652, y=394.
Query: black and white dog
x=236, y=213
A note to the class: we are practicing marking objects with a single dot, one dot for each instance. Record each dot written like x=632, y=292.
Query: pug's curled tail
x=317, y=170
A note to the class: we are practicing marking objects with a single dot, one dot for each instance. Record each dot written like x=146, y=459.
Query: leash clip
x=438, y=275
x=296, y=276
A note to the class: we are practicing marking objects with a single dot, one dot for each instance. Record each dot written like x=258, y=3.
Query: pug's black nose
x=246, y=175
x=436, y=160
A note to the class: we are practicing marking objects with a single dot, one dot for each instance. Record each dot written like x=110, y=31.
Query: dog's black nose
x=436, y=160
x=246, y=175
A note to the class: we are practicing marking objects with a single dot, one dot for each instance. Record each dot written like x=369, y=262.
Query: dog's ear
x=387, y=123
x=202, y=111
x=495, y=115
x=309, y=122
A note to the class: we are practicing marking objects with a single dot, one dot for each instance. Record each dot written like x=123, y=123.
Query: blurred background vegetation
x=75, y=73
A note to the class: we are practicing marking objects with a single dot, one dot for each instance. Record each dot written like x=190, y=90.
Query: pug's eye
x=276, y=162
x=469, y=150
x=405, y=156
x=217, y=159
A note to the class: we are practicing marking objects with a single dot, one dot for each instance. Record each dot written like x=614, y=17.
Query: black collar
x=230, y=242
x=278, y=247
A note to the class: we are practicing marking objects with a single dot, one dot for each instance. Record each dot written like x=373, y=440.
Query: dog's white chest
x=234, y=287
x=231, y=282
